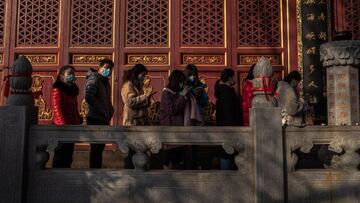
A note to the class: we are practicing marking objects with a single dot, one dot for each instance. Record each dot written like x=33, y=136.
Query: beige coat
x=135, y=105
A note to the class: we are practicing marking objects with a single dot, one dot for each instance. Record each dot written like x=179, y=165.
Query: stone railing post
x=15, y=120
x=342, y=60
x=265, y=120
x=269, y=164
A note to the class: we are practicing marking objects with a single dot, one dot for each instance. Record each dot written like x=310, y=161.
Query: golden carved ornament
x=44, y=112
x=36, y=88
x=250, y=60
x=83, y=109
x=36, y=84
x=1, y=59
x=148, y=59
x=42, y=59
x=88, y=59
x=203, y=59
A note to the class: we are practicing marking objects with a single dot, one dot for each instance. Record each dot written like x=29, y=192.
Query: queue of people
x=183, y=103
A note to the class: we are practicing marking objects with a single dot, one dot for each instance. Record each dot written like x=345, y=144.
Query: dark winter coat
x=64, y=104
x=227, y=106
x=98, y=97
x=172, y=108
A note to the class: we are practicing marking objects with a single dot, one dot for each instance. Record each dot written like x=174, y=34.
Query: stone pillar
x=16, y=119
x=262, y=84
x=269, y=163
x=342, y=61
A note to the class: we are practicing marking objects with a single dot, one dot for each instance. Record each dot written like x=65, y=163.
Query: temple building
x=168, y=34
x=44, y=158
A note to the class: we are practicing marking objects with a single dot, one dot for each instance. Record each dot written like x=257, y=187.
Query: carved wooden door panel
x=162, y=34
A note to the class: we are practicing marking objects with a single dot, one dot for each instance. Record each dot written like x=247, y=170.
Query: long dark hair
x=293, y=75
x=250, y=75
x=176, y=77
x=133, y=73
x=191, y=69
x=62, y=71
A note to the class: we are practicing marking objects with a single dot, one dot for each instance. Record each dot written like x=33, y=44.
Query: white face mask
x=293, y=83
x=192, y=78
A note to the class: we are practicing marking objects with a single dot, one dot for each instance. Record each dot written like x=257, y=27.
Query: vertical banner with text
x=314, y=17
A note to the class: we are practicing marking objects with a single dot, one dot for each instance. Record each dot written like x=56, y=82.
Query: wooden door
x=162, y=34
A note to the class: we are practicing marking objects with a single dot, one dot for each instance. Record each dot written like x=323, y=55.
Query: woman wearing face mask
x=173, y=100
x=135, y=100
x=65, y=110
x=197, y=88
x=293, y=107
x=172, y=107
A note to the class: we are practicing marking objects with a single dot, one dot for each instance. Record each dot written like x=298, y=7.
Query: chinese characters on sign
x=314, y=33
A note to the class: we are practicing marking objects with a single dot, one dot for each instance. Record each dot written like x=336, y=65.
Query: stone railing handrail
x=339, y=138
x=45, y=139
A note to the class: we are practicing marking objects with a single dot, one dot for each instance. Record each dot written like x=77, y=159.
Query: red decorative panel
x=259, y=23
x=352, y=17
x=38, y=22
x=202, y=22
x=2, y=21
x=148, y=59
x=253, y=59
x=92, y=22
x=147, y=23
x=204, y=59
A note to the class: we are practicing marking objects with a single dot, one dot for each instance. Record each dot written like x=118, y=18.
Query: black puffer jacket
x=98, y=97
x=228, y=111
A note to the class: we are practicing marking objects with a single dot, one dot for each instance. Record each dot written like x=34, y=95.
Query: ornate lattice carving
x=352, y=17
x=202, y=22
x=92, y=22
x=147, y=23
x=2, y=22
x=259, y=23
x=38, y=22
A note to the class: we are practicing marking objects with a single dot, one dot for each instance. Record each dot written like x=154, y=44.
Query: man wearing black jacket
x=100, y=108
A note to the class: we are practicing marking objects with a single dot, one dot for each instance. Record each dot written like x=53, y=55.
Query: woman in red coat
x=247, y=95
x=65, y=112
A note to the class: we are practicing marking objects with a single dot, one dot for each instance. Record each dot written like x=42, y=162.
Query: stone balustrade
x=142, y=140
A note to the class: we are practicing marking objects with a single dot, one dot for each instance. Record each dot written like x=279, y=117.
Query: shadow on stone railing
x=144, y=141
x=340, y=145
x=338, y=178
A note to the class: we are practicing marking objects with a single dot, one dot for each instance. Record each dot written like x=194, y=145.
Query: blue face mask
x=70, y=78
x=106, y=73
x=141, y=78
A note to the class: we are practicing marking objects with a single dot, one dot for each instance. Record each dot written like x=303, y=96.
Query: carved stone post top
x=340, y=53
x=263, y=68
x=22, y=66
x=263, y=86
